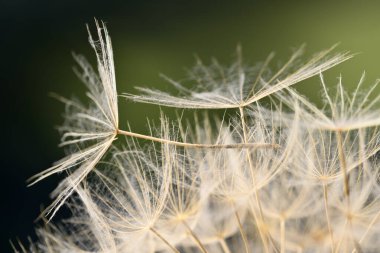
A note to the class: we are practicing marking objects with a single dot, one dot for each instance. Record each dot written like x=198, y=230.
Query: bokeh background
x=149, y=37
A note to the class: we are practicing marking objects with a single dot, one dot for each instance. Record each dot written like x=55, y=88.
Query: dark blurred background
x=149, y=37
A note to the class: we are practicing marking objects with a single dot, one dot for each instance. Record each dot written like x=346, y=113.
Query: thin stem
x=243, y=235
x=325, y=199
x=373, y=221
x=362, y=152
x=195, y=238
x=257, y=198
x=164, y=240
x=282, y=231
x=224, y=245
x=343, y=163
x=337, y=249
x=197, y=145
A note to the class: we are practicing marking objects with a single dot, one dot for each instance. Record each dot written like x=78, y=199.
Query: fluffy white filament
x=283, y=177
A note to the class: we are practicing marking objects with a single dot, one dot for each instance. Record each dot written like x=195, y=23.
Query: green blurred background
x=149, y=37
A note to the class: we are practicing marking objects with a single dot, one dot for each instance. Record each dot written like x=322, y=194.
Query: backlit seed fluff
x=273, y=175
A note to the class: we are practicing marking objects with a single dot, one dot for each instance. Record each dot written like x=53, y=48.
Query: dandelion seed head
x=282, y=176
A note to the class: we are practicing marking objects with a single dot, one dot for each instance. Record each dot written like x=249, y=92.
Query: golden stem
x=242, y=233
x=224, y=246
x=257, y=198
x=164, y=240
x=343, y=164
x=325, y=199
x=197, y=145
x=195, y=238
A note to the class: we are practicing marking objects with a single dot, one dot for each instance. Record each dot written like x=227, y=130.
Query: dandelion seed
x=88, y=130
x=263, y=179
x=237, y=86
x=342, y=112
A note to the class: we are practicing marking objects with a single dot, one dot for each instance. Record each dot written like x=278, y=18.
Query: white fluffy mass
x=314, y=186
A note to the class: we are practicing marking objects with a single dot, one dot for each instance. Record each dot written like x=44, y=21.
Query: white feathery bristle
x=314, y=187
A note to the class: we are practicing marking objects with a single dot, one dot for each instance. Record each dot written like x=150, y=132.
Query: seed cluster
x=279, y=174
